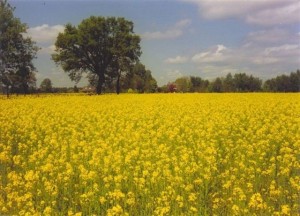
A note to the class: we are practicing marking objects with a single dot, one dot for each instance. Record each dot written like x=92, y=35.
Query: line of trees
x=107, y=51
x=284, y=83
x=239, y=82
x=136, y=80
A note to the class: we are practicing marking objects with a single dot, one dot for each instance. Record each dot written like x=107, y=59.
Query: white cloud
x=213, y=71
x=173, y=32
x=170, y=75
x=286, y=54
x=213, y=54
x=47, y=50
x=285, y=14
x=174, y=74
x=271, y=47
x=271, y=36
x=262, y=12
x=45, y=33
x=286, y=49
x=177, y=60
x=262, y=60
x=183, y=23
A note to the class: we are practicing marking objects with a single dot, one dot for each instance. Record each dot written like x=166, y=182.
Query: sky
x=206, y=38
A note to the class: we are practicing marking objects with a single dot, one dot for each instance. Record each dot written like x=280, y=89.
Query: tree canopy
x=46, y=85
x=140, y=80
x=284, y=83
x=240, y=82
x=16, y=51
x=103, y=48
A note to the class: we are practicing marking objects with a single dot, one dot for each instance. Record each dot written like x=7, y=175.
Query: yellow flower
x=155, y=154
x=192, y=197
x=47, y=211
x=115, y=210
x=285, y=210
x=102, y=200
x=193, y=209
x=235, y=210
x=256, y=202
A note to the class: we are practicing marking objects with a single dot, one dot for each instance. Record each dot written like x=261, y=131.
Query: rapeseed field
x=160, y=154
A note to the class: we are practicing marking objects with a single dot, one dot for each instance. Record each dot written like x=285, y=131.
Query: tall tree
x=198, y=84
x=246, y=83
x=295, y=81
x=183, y=84
x=101, y=47
x=195, y=84
x=228, y=83
x=16, y=51
x=140, y=79
x=217, y=85
x=46, y=85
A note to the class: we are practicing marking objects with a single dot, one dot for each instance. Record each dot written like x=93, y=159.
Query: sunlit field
x=160, y=154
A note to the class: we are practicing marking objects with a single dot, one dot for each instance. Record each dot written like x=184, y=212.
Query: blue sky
x=206, y=38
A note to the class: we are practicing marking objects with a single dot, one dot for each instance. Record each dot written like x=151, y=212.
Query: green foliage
x=103, y=48
x=183, y=84
x=75, y=89
x=228, y=83
x=244, y=83
x=16, y=52
x=140, y=80
x=130, y=91
x=198, y=84
x=217, y=85
x=284, y=83
x=238, y=83
x=46, y=85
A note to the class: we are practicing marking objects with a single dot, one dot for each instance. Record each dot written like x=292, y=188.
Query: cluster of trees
x=284, y=83
x=107, y=51
x=137, y=79
x=46, y=86
x=239, y=82
x=16, y=53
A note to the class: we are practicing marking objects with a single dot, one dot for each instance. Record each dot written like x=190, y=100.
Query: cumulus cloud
x=173, y=32
x=284, y=14
x=263, y=12
x=271, y=36
x=213, y=54
x=170, y=75
x=271, y=46
x=174, y=74
x=283, y=50
x=212, y=71
x=286, y=53
x=219, y=59
x=48, y=49
x=45, y=33
x=177, y=60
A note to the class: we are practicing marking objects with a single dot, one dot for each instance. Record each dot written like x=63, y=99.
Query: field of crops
x=160, y=154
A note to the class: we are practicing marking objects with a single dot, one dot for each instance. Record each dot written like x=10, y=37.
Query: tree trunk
x=7, y=91
x=99, y=87
x=100, y=83
x=118, y=84
x=25, y=88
